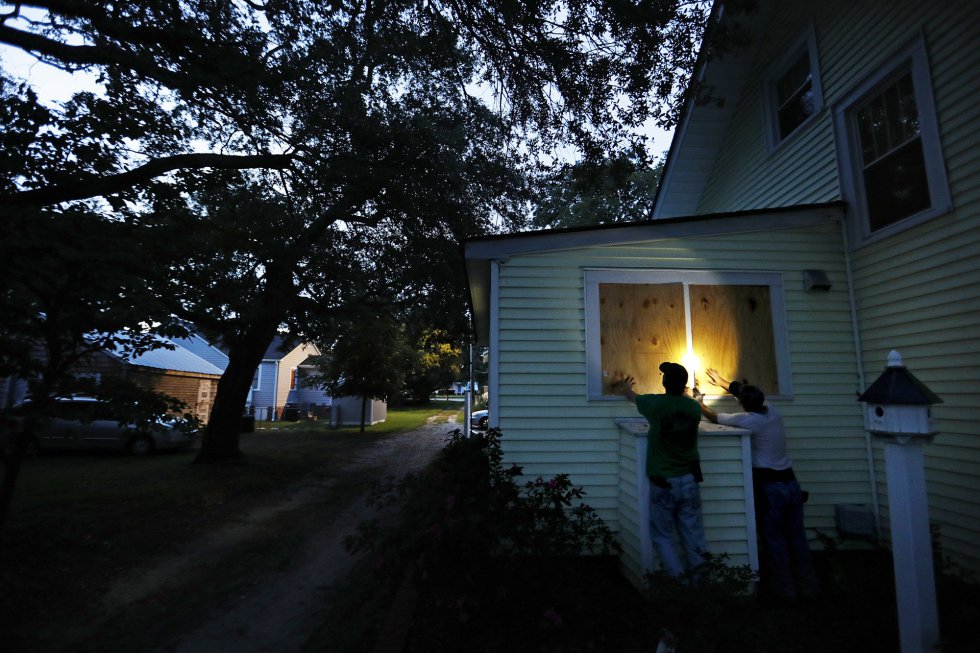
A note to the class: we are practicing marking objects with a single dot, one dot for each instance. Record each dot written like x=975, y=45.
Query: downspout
x=468, y=410
x=494, y=376
x=859, y=350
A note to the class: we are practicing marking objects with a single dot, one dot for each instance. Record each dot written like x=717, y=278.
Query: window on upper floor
x=893, y=167
x=792, y=90
x=731, y=321
x=292, y=379
x=256, y=379
x=891, y=163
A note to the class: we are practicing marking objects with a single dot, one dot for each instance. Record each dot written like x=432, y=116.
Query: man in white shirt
x=787, y=569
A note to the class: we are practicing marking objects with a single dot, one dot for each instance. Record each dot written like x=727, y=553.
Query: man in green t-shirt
x=672, y=465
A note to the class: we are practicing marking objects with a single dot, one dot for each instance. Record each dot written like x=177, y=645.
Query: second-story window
x=893, y=165
x=794, y=96
x=889, y=150
x=792, y=90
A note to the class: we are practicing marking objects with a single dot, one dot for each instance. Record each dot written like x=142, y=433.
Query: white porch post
x=898, y=413
x=915, y=583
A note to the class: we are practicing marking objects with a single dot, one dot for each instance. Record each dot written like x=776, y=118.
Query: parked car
x=480, y=419
x=88, y=423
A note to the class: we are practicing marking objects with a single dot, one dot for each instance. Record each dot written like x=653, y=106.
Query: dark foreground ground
x=110, y=553
x=115, y=553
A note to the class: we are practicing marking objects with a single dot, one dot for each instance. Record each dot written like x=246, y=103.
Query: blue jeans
x=785, y=552
x=680, y=506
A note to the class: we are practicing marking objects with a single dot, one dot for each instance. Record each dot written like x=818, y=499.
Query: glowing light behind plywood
x=643, y=325
x=732, y=332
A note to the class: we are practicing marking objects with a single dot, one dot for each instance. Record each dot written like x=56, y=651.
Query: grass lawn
x=398, y=420
x=80, y=520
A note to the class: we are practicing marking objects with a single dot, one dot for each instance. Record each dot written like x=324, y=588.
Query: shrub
x=484, y=547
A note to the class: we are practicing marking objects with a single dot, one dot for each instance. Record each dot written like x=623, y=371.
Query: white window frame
x=807, y=42
x=257, y=378
x=593, y=345
x=911, y=58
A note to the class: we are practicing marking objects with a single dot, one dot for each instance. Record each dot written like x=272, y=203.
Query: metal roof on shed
x=177, y=359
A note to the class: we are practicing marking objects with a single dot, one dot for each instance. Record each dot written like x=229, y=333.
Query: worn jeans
x=785, y=552
x=677, y=506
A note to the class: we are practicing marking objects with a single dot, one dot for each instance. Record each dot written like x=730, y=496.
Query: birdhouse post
x=897, y=411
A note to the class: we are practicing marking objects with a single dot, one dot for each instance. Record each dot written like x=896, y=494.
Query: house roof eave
x=480, y=253
x=692, y=163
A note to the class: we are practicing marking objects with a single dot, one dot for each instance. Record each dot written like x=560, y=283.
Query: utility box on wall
x=854, y=520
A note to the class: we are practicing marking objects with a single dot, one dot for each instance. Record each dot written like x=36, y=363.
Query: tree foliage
x=437, y=362
x=293, y=85
x=369, y=359
x=620, y=188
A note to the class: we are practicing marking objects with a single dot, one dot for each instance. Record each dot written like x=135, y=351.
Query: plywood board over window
x=641, y=326
x=732, y=330
x=731, y=321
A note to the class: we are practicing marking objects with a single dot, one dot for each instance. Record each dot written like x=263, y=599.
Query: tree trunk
x=364, y=401
x=221, y=438
x=11, y=468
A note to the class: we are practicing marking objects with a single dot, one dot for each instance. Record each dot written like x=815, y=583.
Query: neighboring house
x=826, y=213
x=278, y=381
x=174, y=372
x=12, y=391
x=278, y=389
x=200, y=347
x=462, y=387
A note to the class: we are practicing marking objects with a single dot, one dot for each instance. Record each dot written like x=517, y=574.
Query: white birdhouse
x=898, y=403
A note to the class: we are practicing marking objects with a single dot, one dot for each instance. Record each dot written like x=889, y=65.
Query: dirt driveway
x=263, y=608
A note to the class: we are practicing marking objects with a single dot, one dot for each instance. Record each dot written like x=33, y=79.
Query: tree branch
x=88, y=55
x=84, y=188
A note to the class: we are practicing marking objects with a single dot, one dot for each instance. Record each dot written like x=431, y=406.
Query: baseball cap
x=675, y=376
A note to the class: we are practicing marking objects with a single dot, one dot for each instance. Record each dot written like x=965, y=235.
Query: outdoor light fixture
x=815, y=280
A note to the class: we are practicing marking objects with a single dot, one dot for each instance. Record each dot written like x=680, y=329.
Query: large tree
x=370, y=358
x=619, y=188
x=386, y=130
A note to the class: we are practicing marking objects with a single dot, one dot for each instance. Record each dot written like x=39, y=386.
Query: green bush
x=496, y=562
x=482, y=547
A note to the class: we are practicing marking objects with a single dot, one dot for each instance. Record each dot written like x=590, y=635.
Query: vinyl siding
x=723, y=494
x=264, y=397
x=550, y=427
x=800, y=170
x=917, y=291
x=287, y=364
x=923, y=298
